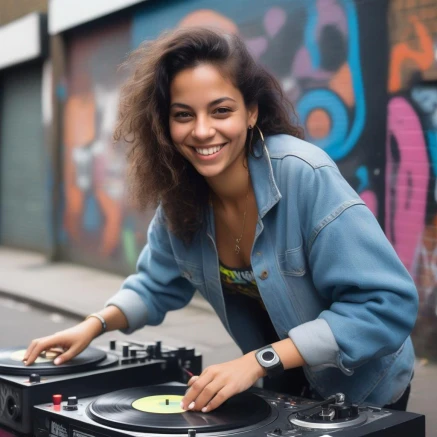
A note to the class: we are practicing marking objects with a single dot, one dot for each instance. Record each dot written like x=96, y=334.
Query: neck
x=231, y=187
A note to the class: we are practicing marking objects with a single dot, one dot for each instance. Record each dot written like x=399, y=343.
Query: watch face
x=267, y=357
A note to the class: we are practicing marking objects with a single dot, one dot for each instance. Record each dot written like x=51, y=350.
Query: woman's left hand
x=219, y=382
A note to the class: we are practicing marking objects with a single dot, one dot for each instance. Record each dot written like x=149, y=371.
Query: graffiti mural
x=411, y=149
x=312, y=46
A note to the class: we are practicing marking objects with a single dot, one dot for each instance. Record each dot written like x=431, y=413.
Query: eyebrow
x=214, y=102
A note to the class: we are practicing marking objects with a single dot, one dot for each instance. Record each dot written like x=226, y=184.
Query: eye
x=222, y=111
x=182, y=114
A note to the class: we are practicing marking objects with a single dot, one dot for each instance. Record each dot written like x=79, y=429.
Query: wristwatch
x=270, y=361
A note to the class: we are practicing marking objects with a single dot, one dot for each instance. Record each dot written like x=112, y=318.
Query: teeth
x=209, y=151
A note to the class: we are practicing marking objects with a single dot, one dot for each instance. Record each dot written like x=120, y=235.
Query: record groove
x=115, y=410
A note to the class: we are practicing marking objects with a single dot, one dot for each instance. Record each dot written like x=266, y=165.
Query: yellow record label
x=161, y=404
x=19, y=355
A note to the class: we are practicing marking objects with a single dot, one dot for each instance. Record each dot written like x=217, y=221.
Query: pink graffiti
x=274, y=20
x=370, y=200
x=407, y=177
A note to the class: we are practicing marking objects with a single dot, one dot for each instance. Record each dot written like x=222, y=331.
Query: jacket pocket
x=293, y=262
x=192, y=272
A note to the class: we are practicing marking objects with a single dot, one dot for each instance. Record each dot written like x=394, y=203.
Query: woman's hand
x=219, y=382
x=71, y=341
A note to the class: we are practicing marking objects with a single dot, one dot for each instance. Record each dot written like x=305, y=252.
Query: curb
x=197, y=302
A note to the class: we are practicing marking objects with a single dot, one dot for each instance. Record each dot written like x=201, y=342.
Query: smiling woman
x=262, y=224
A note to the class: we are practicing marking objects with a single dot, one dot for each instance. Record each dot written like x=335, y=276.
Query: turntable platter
x=156, y=409
x=11, y=362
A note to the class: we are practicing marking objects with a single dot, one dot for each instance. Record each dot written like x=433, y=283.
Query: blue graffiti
x=362, y=174
x=339, y=142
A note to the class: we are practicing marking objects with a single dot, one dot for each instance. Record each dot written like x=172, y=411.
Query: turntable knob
x=57, y=399
x=34, y=377
x=191, y=433
x=112, y=345
x=133, y=352
x=72, y=404
x=158, y=349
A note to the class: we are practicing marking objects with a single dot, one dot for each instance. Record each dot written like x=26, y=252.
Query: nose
x=203, y=129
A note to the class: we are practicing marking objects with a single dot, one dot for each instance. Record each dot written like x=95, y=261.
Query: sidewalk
x=77, y=291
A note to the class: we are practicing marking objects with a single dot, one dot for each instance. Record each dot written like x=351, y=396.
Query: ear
x=252, y=115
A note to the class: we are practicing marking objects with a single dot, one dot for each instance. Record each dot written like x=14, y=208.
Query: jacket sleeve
x=373, y=299
x=157, y=286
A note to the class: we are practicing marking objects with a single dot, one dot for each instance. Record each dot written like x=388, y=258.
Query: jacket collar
x=267, y=193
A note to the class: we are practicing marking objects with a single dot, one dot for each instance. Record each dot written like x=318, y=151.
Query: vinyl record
x=11, y=362
x=156, y=409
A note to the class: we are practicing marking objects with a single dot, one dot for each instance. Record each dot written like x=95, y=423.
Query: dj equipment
x=155, y=411
x=95, y=371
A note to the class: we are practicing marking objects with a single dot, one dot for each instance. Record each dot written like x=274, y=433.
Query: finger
x=188, y=401
x=208, y=393
x=223, y=395
x=29, y=349
x=192, y=380
x=40, y=345
x=67, y=355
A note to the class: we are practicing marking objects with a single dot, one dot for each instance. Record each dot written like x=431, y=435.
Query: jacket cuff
x=317, y=345
x=132, y=306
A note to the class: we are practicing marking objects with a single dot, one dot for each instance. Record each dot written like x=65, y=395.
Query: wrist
x=260, y=372
x=93, y=326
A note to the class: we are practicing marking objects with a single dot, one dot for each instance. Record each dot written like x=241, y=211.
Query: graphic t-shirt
x=240, y=280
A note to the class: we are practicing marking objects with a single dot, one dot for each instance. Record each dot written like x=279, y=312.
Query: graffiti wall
x=359, y=73
x=313, y=47
x=411, y=150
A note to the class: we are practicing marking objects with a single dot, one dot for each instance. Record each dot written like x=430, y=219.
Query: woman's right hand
x=72, y=342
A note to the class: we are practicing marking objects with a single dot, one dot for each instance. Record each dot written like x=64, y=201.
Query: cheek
x=178, y=132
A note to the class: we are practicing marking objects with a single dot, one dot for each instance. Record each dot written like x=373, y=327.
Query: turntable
x=94, y=371
x=154, y=411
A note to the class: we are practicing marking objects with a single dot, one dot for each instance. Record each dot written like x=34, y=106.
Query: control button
x=191, y=433
x=57, y=399
x=264, y=274
x=158, y=349
x=71, y=403
x=34, y=377
x=125, y=350
x=112, y=345
x=133, y=352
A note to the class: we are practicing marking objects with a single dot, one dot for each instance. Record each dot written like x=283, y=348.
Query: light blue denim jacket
x=329, y=278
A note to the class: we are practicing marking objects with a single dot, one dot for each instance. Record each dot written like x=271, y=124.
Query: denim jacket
x=328, y=277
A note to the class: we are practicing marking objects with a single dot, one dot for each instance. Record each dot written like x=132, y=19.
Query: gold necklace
x=237, y=248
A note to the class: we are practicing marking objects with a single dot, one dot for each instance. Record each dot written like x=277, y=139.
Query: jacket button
x=264, y=274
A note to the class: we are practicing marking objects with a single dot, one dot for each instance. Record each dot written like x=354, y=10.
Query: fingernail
x=204, y=409
x=193, y=378
x=191, y=406
x=182, y=406
x=25, y=362
x=57, y=361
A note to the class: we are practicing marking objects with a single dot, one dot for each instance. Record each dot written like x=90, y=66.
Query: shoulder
x=292, y=149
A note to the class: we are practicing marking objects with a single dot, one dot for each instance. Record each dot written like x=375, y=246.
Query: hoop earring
x=261, y=135
x=250, y=127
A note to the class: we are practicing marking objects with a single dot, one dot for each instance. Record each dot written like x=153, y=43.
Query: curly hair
x=159, y=174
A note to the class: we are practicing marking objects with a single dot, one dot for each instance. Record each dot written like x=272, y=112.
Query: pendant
x=237, y=249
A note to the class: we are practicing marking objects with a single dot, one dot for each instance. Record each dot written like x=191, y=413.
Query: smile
x=207, y=151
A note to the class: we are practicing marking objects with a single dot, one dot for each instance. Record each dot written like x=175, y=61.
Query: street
x=20, y=322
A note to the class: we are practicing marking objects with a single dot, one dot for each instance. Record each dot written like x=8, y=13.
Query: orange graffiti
x=341, y=83
x=401, y=52
x=79, y=131
x=318, y=123
x=113, y=222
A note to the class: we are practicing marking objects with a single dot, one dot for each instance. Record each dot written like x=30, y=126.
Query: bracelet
x=102, y=320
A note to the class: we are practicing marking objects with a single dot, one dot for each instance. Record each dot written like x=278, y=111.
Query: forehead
x=202, y=84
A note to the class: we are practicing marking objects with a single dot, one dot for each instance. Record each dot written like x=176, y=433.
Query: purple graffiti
x=407, y=177
x=274, y=19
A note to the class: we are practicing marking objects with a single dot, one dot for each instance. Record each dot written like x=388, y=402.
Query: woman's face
x=209, y=119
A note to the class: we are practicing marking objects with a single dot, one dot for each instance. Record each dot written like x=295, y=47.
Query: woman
x=262, y=224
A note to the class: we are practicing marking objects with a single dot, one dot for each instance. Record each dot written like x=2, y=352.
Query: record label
x=160, y=404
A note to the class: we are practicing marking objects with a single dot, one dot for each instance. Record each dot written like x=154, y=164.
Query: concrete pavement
x=77, y=291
